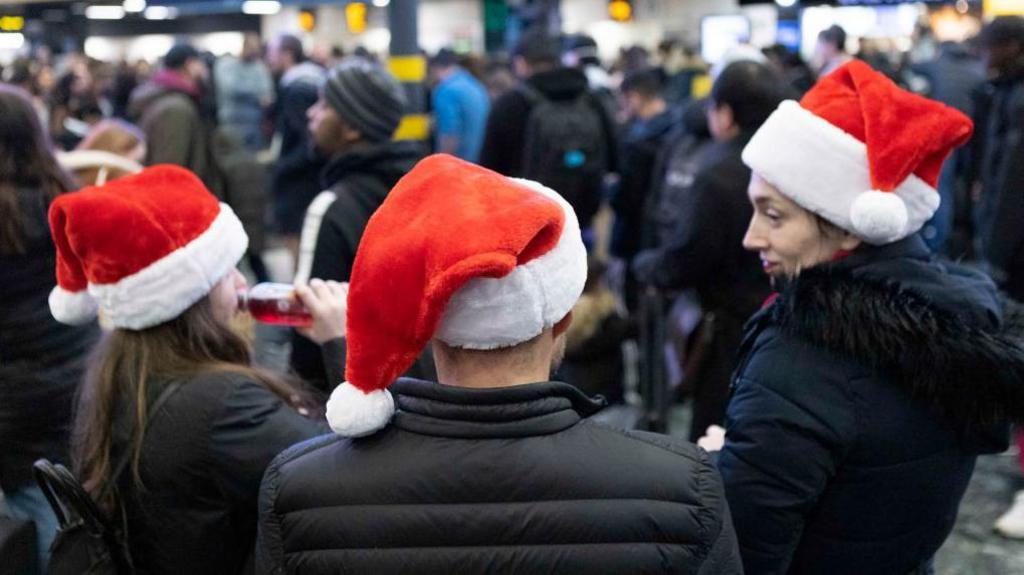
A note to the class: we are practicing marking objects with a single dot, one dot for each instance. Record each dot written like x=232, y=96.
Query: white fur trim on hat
x=353, y=413
x=826, y=170
x=167, y=287
x=72, y=308
x=492, y=313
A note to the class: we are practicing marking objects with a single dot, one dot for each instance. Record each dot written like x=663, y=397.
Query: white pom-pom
x=353, y=413
x=878, y=217
x=72, y=308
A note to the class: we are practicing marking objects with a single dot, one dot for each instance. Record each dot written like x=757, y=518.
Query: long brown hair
x=26, y=162
x=130, y=366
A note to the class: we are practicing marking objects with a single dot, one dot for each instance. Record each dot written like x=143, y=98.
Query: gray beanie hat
x=367, y=97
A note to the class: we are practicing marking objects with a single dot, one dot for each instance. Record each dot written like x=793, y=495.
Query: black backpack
x=566, y=148
x=87, y=543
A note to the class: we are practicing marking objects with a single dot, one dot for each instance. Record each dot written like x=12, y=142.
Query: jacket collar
x=430, y=408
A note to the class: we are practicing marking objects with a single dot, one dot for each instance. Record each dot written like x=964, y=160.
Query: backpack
x=87, y=543
x=566, y=149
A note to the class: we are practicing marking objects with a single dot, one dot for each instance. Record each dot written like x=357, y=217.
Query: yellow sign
x=408, y=68
x=355, y=17
x=307, y=21
x=620, y=10
x=1003, y=8
x=12, y=23
x=413, y=127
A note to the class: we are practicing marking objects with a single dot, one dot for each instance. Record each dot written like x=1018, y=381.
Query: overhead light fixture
x=134, y=6
x=381, y=3
x=11, y=40
x=160, y=13
x=263, y=7
x=104, y=12
x=785, y=3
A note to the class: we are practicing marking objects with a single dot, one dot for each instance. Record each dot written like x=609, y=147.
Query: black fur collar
x=973, y=376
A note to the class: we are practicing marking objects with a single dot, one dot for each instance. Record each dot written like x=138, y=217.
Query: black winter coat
x=864, y=393
x=509, y=480
x=41, y=360
x=295, y=180
x=355, y=184
x=203, y=456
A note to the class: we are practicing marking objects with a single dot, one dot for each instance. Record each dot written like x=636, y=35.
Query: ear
x=850, y=242
x=350, y=134
x=563, y=325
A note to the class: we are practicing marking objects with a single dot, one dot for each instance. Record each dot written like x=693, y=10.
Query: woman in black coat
x=868, y=386
x=41, y=361
x=171, y=390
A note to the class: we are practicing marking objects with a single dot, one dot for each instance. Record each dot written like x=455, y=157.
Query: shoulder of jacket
x=672, y=446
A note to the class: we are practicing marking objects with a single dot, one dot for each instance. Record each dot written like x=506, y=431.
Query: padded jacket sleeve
x=788, y=426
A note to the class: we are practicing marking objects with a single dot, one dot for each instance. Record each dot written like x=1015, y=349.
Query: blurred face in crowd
x=195, y=68
x=224, y=295
x=721, y=122
x=331, y=135
x=786, y=236
x=278, y=60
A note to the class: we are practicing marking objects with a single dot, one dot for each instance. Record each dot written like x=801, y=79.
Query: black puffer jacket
x=864, y=393
x=508, y=480
x=41, y=361
x=203, y=456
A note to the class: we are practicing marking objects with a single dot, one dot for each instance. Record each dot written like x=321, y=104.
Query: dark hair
x=647, y=82
x=835, y=36
x=1003, y=30
x=751, y=90
x=538, y=50
x=179, y=55
x=128, y=367
x=292, y=45
x=444, y=58
x=26, y=162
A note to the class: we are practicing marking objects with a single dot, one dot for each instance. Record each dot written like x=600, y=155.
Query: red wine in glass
x=274, y=303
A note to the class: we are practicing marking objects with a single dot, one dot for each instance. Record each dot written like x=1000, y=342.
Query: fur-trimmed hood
x=958, y=356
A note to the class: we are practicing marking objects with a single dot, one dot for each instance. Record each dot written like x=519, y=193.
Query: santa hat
x=142, y=248
x=859, y=152
x=461, y=254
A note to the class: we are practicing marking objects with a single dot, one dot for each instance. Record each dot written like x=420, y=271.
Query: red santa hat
x=142, y=248
x=860, y=152
x=461, y=254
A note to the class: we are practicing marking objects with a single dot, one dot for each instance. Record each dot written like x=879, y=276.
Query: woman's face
x=224, y=296
x=786, y=236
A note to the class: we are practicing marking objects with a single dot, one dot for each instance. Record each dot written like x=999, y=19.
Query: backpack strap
x=126, y=457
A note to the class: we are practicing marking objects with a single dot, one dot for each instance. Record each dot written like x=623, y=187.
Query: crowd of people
x=823, y=259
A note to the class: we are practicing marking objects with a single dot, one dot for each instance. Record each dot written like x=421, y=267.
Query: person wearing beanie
x=174, y=427
x=352, y=124
x=494, y=468
x=866, y=388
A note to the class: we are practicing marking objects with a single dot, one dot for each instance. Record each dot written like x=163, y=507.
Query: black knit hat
x=367, y=97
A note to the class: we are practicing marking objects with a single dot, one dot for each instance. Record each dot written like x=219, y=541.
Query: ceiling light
x=381, y=3
x=261, y=7
x=133, y=6
x=104, y=12
x=11, y=40
x=160, y=13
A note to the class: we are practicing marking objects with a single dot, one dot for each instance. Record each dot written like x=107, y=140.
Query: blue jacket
x=862, y=397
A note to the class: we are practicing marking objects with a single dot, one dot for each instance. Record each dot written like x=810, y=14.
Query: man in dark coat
x=999, y=144
x=168, y=111
x=707, y=252
x=295, y=180
x=351, y=124
x=542, y=77
x=495, y=468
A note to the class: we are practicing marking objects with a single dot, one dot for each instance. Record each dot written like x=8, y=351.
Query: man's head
x=186, y=60
x=535, y=53
x=284, y=52
x=580, y=50
x=831, y=44
x=360, y=102
x=742, y=98
x=443, y=63
x=252, y=47
x=643, y=92
x=1002, y=43
x=485, y=268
